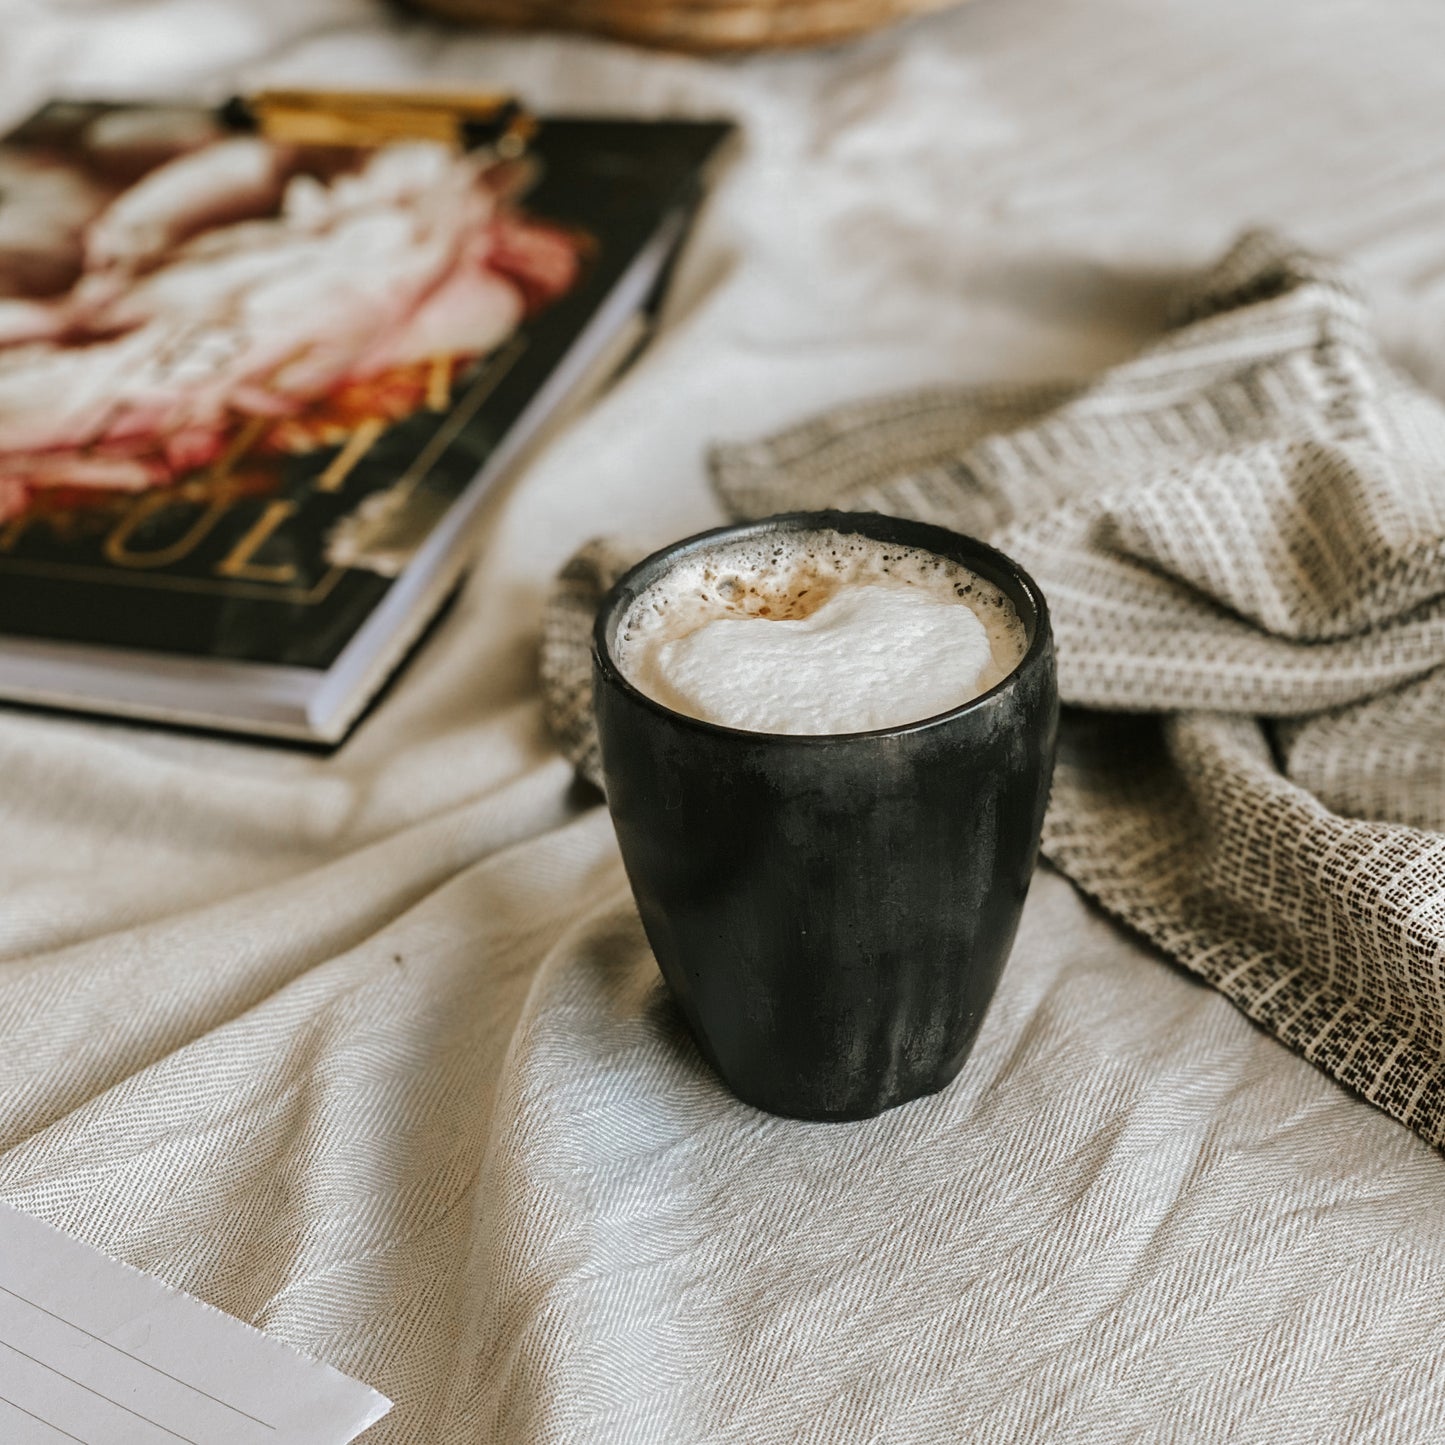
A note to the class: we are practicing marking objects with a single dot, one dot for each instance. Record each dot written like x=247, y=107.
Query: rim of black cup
x=991, y=564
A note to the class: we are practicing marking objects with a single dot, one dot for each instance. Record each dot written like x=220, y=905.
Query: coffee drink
x=818, y=633
x=828, y=852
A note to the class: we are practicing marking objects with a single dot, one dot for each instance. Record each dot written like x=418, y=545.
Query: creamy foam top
x=817, y=632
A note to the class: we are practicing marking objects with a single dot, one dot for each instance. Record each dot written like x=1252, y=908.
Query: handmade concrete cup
x=832, y=913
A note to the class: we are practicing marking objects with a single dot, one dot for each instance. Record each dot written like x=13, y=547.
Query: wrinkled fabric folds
x=1241, y=534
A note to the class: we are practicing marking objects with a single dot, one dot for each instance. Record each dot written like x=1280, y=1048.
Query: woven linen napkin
x=1241, y=534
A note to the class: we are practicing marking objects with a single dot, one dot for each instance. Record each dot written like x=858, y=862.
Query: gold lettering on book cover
x=439, y=383
x=349, y=457
x=117, y=523
x=237, y=562
x=117, y=548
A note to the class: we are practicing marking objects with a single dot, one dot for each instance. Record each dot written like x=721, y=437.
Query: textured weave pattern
x=1245, y=521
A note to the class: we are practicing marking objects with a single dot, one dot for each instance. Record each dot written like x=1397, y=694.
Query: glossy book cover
x=242, y=380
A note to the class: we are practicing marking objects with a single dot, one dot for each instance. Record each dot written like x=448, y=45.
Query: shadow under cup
x=832, y=913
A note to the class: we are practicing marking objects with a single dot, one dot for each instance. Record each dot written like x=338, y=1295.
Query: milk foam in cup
x=818, y=633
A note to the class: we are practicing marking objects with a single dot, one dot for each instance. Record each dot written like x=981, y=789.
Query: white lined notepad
x=92, y=1351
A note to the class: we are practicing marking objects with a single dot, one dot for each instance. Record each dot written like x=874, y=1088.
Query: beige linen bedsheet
x=371, y=1052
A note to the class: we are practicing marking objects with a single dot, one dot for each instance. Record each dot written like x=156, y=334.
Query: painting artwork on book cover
x=231, y=363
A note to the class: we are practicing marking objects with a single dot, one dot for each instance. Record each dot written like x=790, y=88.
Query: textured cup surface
x=832, y=912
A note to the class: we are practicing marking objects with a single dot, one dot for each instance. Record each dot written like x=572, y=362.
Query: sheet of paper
x=97, y=1352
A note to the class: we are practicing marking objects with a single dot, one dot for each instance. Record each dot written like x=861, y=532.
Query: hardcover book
x=259, y=366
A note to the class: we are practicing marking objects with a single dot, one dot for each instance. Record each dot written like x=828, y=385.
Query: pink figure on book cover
x=210, y=294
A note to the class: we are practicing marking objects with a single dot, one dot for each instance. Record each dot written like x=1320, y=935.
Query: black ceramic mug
x=832, y=912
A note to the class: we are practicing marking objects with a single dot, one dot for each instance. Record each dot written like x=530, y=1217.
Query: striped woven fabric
x=1241, y=533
